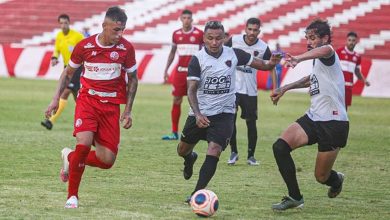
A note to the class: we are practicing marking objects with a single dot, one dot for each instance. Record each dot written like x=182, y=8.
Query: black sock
x=252, y=137
x=233, y=139
x=188, y=157
x=206, y=172
x=333, y=180
x=287, y=167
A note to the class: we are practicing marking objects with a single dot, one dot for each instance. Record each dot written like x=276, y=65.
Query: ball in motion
x=204, y=203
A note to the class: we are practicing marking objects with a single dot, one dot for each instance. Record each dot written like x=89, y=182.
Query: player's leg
x=233, y=144
x=249, y=111
x=348, y=96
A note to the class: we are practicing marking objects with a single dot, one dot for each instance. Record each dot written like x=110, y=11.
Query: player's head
x=114, y=24
x=64, y=21
x=252, y=29
x=186, y=18
x=214, y=36
x=352, y=39
x=318, y=34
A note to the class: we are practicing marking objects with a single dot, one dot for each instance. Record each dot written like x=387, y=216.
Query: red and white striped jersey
x=105, y=68
x=349, y=60
x=188, y=43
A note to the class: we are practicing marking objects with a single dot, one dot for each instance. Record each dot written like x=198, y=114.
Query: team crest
x=79, y=122
x=256, y=53
x=180, y=38
x=192, y=39
x=114, y=55
x=228, y=63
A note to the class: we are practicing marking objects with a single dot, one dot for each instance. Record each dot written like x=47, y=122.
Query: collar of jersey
x=216, y=57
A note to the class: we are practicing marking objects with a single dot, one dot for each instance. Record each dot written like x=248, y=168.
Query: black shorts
x=328, y=134
x=248, y=105
x=74, y=84
x=219, y=131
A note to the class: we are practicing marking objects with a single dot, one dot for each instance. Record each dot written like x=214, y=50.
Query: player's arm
x=56, y=52
x=279, y=92
x=171, y=57
x=267, y=56
x=193, y=79
x=320, y=52
x=63, y=82
x=360, y=76
x=132, y=86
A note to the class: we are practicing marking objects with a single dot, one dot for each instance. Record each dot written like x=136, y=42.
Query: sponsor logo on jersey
x=217, y=85
x=196, y=32
x=121, y=47
x=89, y=45
x=335, y=112
x=79, y=122
x=314, y=85
x=93, y=53
x=114, y=55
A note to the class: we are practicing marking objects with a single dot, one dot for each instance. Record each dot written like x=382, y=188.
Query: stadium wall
x=34, y=62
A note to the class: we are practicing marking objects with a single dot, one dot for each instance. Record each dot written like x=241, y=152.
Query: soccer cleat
x=334, y=192
x=288, y=203
x=170, y=137
x=189, y=165
x=64, y=173
x=47, y=124
x=252, y=161
x=72, y=203
x=233, y=158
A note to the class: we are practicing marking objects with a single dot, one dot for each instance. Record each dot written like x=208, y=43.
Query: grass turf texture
x=146, y=181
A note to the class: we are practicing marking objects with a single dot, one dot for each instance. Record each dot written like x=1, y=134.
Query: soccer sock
x=333, y=180
x=61, y=107
x=76, y=168
x=233, y=139
x=287, y=167
x=175, y=116
x=206, y=172
x=252, y=137
x=188, y=157
x=93, y=161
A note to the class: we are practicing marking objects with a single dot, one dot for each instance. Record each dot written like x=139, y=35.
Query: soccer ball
x=204, y=203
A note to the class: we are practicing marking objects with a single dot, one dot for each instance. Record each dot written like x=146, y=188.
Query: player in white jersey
x=246, y=86
x=325, y=123
x=211, y=94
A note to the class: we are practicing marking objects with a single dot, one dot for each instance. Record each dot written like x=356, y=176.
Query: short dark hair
x=63, y=16
x=352, y=34
x=214, y=25
x=116, y=14
x=253, y=21
x=186, y=12
x=321, y=28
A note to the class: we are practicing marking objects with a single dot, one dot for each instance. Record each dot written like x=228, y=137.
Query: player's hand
x=166, y=77
x=54, y=61
x=367, y=83
x=275, y=58
x=52, y=108
x=291, y=61
x=276, y=94
x=202, y=121
x=126, y=120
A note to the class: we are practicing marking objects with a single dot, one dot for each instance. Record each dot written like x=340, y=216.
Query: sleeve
x=130, y=62
x=243, y=57
x=56, y=51
x=267, y=54
x=76, y=58
x=194, y=69
x=229, y=43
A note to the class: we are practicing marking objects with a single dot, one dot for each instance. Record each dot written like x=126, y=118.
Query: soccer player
x=186, y=41
x=65, y=42
x=246, y=86
x=278, y=69
x=107, y=59
x=325, y=123
x=211, y=94
x=350, y=64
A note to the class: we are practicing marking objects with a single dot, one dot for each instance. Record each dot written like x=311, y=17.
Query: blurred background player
x=350, y=64
x=65, y=41
x=108, y=59
x=211, y=95
x=186, y=40
x=325, y=123
x=246, y=86
x=278, y=69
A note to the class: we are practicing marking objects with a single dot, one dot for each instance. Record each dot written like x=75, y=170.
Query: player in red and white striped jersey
x=107, y=59
x=350, y=64
x=186, y=41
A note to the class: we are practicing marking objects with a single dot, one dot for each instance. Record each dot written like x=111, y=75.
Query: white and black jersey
x=216, y=76
x=246, y=77
x=327, y=90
